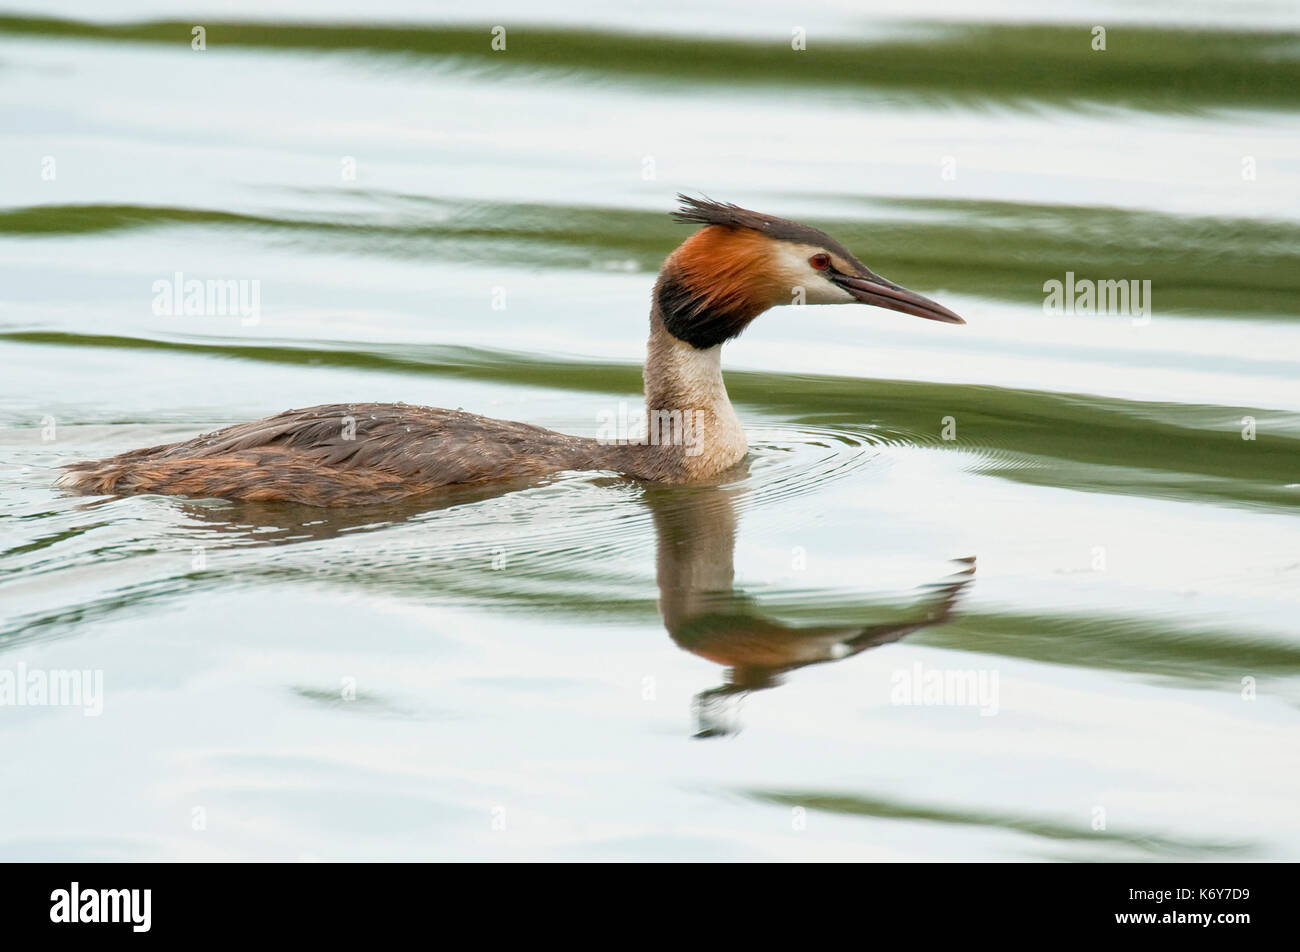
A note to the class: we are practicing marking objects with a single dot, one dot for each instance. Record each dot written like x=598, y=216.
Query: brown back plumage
x=351, y=454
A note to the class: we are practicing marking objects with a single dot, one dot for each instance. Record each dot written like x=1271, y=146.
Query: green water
x=1093, y=517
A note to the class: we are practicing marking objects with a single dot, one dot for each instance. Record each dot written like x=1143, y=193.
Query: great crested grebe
x=717, y=281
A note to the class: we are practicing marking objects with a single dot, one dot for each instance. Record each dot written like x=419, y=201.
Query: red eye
x=820, y=261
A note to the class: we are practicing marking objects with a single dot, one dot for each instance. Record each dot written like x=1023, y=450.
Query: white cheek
x=821, y=291
x=791, y=263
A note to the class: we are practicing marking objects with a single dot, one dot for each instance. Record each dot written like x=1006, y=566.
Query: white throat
x=680, y=378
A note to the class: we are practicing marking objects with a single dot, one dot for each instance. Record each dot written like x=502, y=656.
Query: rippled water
x=1062, y=505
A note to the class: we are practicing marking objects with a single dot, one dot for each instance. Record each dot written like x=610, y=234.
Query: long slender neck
x=687, y=409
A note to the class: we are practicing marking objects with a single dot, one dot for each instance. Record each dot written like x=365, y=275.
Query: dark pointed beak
x=875, y=290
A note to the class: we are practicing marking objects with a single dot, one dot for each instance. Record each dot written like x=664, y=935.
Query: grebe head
x=742, y=263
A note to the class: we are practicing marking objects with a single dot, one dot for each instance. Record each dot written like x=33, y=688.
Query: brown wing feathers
x=339, y=454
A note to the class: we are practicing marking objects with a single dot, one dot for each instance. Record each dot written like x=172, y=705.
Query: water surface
x=1062, y=505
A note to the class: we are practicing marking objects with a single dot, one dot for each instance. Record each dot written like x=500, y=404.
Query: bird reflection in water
x=707, y=615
